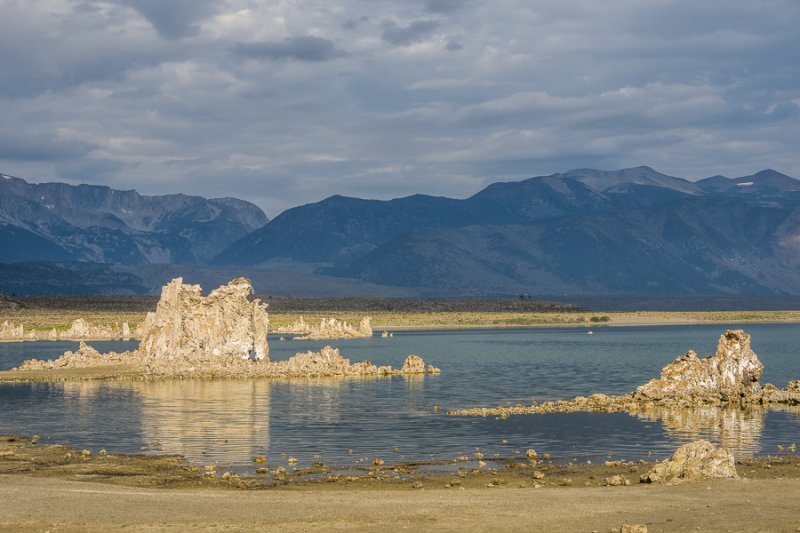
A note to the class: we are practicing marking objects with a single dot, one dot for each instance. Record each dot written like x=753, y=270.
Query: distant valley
x=581, y=232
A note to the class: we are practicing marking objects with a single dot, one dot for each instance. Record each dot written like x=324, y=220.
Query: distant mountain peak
x=97, y=223
x=602, y=180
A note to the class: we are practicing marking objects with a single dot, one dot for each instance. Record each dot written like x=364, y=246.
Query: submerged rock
x=696, y=460
x=733, y=371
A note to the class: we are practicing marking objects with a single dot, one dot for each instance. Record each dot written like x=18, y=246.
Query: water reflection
x=740, y=429
x=206, y=420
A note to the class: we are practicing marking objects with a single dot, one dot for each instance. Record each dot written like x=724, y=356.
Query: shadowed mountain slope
x=56, y=221
x=339, y=229
x=706, y=246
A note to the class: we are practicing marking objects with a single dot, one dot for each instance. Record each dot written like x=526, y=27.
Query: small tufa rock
x=417, y=485
x=617, y=481
x=530, y=454
x=260, y=459
x=696, y=460
x=413, y=365
x=637, y=528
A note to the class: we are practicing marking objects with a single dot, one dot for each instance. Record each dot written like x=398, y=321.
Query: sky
x=284, y=103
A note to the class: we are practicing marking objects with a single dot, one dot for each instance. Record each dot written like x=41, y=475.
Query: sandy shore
x=35, y=504
x=58, y=489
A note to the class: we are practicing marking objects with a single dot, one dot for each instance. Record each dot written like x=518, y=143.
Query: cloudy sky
x=286, y=102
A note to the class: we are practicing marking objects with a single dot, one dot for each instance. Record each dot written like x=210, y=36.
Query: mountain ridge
x=101, y=224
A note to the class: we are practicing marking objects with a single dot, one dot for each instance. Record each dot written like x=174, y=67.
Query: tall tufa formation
x=187, y=325
x=734, y=371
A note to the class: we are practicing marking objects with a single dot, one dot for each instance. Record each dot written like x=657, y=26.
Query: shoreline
x=59, y=488
x=616, y=321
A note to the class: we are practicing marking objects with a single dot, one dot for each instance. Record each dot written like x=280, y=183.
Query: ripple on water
x=232, y=421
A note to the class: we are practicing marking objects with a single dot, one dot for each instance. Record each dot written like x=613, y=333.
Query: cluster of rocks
x=298, y=327
x=728, y=377
x=9, y=331
x=219, y=335
x=84, y=357
x=80, y=329
x=328, y=328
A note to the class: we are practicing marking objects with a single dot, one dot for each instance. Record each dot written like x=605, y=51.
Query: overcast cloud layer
x=288, y=102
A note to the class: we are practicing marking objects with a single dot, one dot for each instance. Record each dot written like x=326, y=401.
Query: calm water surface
x=231, y=421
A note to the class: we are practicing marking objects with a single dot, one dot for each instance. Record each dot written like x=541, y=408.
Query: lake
x=232, y=421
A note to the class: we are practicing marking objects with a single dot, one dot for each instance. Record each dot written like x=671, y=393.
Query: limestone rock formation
x=81, y=329
x=696, y=460
x=194, y=336
x=8, y=331
x=733, y=371
x=298, y=327
x=330, y=328
x=187, y=325
x=413, y=365
x=85, y=357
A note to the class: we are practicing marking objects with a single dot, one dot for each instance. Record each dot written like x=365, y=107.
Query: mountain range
x=60, y=222
x=580, y=232
x=585, y=231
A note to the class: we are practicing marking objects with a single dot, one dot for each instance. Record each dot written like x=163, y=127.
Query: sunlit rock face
x=733, y=371
x=696, y=460
x=9, y=331
x=330, y=328
x=187, y=325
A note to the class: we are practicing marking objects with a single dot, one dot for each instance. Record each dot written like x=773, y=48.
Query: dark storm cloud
x=42, y=147
x=174, y=19
x=415, y=32
x=304, y=48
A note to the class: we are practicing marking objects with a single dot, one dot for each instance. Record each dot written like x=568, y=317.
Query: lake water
x=232, y=421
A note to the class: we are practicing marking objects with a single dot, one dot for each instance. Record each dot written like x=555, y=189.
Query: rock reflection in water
x=224, y=419
x=739, y=429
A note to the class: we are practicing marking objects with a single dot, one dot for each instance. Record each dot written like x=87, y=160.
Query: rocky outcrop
x=298, y=327
x=733, y=371
x=8, y=331
x=219, y=335
x=81, y=329
x=330, y=328
x=328, y=362
x=85, y=357
x=730, y=377
x=189, y=326
x=696, y=460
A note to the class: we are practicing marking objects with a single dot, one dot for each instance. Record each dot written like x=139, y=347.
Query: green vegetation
x=604, y=318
